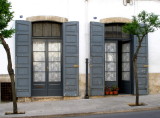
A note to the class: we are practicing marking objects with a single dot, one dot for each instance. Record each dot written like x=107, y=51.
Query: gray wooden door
x=46, y=68
x=71, y=59
x=111, y=63
x=142, y=64
x=97, y=58
x=124, y=70
x=46, y=59
x=23, y=58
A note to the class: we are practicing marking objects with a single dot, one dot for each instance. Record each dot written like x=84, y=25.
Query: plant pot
x=115, y=92
x=111, y=92
x=107, y=92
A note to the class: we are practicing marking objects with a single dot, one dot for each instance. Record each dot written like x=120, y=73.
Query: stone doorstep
x=45, y=98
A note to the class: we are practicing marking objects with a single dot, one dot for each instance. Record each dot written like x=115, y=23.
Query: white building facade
x=54, y=37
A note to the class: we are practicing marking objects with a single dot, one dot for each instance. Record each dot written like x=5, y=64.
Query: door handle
x=75, y=66
x=146, y=66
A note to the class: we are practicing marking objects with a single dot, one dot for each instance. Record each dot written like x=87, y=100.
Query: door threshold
x=45, y=98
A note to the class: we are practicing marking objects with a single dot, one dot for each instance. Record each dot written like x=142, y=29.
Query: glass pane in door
x=54, y=61
x=126, y=61
x=38, y=61
x=110, y=61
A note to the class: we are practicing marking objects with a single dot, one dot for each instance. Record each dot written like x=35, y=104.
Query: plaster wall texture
x=85, y=11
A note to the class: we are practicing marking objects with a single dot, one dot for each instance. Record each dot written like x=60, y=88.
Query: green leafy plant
x=115, y=88
x=107, y=88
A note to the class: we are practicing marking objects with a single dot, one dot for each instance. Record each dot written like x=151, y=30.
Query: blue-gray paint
x=23, y=58
x=142, y=62
x=97, y=59
x=71, y=59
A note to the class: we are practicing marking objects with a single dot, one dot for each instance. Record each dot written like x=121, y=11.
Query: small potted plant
x=107, y=90
x=111, y=92
x=115, y=90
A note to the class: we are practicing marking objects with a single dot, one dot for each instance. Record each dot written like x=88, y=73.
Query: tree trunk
x=11, y=74
x=136, y=80
x=135, y=70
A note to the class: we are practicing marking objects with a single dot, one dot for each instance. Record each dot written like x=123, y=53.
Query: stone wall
x=154, y=88
x=154, y=83
x=47, y=18
x=115, y=20
x=4, y=78
x=82, y=85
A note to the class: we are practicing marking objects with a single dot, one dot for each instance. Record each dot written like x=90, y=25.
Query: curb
x=91, y=113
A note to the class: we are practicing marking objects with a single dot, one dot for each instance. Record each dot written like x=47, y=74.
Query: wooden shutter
x=142, y=64
x=23, y=58
x=70, y=58
x=97, y=64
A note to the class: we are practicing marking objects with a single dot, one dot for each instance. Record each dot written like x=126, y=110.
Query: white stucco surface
x=84, y=11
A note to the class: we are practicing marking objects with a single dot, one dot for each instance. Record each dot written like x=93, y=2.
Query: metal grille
x=114, y=31
x=6, y=92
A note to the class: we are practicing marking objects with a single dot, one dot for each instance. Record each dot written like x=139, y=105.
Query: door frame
x=131, y=40
x=46, y=40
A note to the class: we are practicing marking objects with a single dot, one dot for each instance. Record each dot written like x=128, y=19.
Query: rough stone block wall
x=154, y=87
x=4, y=78
x=154, y=83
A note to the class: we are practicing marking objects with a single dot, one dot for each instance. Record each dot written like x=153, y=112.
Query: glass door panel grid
x=126, y=61
x=110, y=61
x=54, y=61
x=39, y=61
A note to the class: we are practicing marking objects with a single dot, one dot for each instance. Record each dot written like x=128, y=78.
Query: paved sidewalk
x=61, y=108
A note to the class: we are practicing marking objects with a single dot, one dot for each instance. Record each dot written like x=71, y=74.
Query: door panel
x=125, y=79
x=126, y=61
x=23, y=58
x=54, y=61
x=111, y=63
x=39, y=68
x=54, y=69
x=97, y=67
x=46, y=68
x=71, y=58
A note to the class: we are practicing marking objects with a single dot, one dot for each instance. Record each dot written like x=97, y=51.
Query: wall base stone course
x=154, y=88
x=154, y=83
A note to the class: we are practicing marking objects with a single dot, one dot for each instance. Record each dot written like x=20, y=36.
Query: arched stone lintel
x=47, y=18
x=116, y=20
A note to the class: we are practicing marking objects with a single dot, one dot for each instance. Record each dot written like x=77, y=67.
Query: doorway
x=118, y=67
x=46, y=59
x=124, y=70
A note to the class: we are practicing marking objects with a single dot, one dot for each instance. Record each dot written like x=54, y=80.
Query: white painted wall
x=84, y=11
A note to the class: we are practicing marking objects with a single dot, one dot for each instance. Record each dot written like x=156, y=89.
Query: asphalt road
x=140, y=114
